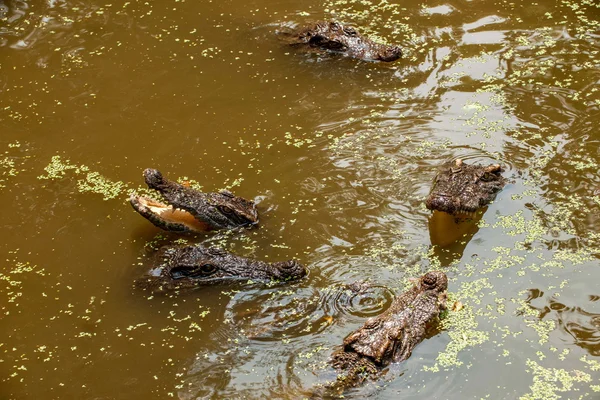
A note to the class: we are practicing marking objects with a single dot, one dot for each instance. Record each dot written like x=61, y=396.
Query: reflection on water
x=445, y=229
x=578, y=324
x=341, y=154
x=452, y=233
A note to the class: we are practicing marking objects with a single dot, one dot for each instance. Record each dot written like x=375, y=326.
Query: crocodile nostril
x=288, y=265
x=291, y=268
x=434, y=280
x=391, y=54
x=429, y=280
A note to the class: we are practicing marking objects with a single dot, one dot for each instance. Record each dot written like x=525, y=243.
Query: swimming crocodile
x=344, y=39
x=389, y=337
x=460, y=188
x=190, y=266
x=190, y=210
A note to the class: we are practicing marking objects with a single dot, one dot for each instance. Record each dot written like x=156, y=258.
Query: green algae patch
x=518, y=225
x=88, y=181
x=96, y=183
x=548, y=383
x=536, y=67
x=532, y=319
x=58, y=169
x=12, y=279
x=503, y=261
x=11, y=163
x=462, y=325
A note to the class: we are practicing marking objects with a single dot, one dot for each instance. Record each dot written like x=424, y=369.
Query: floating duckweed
x=583, y=162
x=58, y=168
x=593, y=365
x=505, y=260
x=190, y=183
x=96, y=183
x=549, y=60
x=10, y=164
x=548, y=382
x=462, y=325
x=13, y=281
x=542, y=327
x=576, y=257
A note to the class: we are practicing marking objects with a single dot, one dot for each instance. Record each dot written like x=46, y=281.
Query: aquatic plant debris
x=549, y=382
x=11, y=163
x=91, y=182
x=462, y=325
x=340, y=152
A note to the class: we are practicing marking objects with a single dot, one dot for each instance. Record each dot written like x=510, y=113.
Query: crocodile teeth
x=466, y=214
x=169, y=214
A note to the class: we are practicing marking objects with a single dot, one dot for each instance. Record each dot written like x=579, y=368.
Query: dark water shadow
x=450, y=234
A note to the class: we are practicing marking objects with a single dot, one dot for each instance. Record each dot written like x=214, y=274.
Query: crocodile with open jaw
x=190, y=210
x=182, y=267
x=389, y=337
x=460, y=188
x=344, y=39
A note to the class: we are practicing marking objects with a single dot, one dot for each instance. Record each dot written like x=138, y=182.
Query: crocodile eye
x=234, y=215
x=350, y=31
x=208, y=269
x=487, y=177
x=226, y=210
x=192, y=271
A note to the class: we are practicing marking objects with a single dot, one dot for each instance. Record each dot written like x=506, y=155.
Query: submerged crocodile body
x=344, y=39
x=190, y=210
x=191, y=266
x=460, y=188
x=389, y=337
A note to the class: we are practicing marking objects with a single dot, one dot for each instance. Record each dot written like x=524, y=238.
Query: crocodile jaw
x=167, y=217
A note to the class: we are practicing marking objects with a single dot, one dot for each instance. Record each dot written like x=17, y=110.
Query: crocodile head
x=460, y=188
x=188, y=210
x=335, y=37
x=194, y=265
x=392, y=335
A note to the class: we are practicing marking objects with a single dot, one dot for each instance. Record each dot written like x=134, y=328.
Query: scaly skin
x=190, y=266
x=389, y=337
x=333, y=36
x=189, y=210
x=462, y=189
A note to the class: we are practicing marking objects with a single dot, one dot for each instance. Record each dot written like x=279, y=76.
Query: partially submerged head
x=460, y=188
x=185, y=209
x=345, y=39
x=195, y=265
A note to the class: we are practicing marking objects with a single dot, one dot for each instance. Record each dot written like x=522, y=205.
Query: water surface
x=340, y=155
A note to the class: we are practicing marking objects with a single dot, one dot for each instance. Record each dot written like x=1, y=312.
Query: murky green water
x=340, y=155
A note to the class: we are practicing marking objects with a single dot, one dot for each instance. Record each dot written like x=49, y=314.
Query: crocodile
x=462, y=189
x=190, y=210
x=344, y=39
x=388, y=337
x=190, y=266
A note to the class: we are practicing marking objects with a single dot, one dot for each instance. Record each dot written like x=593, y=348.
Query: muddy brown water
x=340, y=155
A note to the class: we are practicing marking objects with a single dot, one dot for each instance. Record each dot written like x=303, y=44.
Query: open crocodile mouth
x=443, y=203
x=162, y=215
